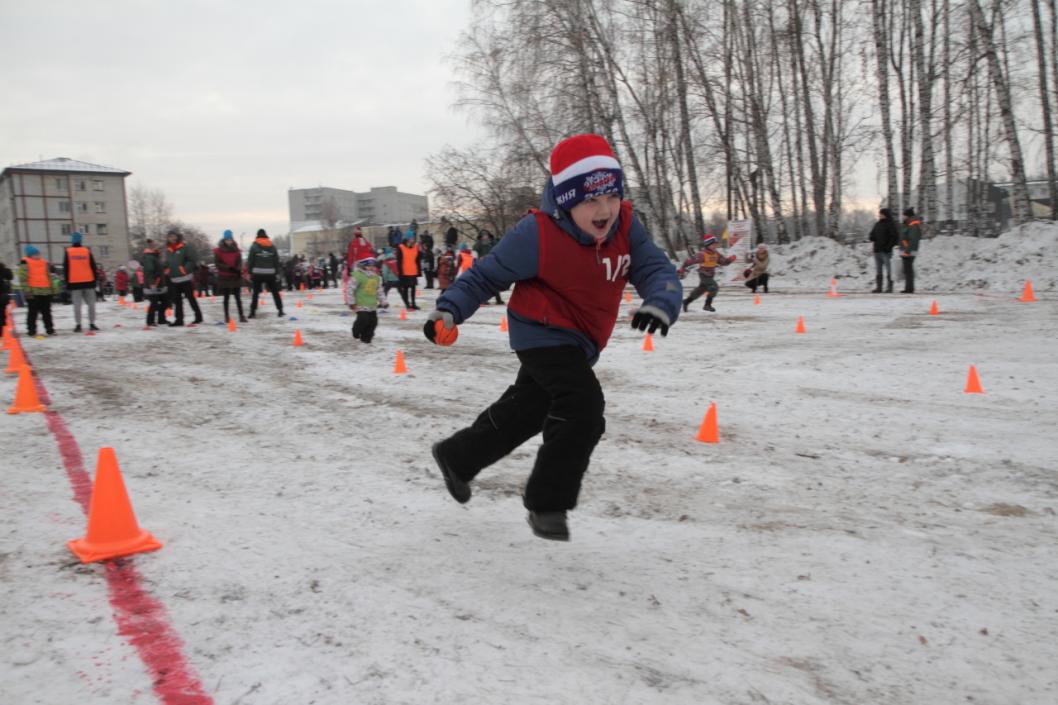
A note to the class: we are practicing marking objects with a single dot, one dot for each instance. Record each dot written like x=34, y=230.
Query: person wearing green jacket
x=180, y=264
x=365, y=295
x=909, y=239
x=263, y=265
x=154, y=287
x=38, y=286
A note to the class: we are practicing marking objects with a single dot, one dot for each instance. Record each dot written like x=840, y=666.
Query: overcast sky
x=226, y=105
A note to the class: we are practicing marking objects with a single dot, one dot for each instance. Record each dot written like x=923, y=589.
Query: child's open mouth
x=600, y=224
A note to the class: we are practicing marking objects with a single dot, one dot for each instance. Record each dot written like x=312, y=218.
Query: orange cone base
x=90, y=553
x=27, y=409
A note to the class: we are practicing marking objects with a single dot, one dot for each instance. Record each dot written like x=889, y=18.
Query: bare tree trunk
x=819, y=187
x=1045, y=103
x=927, y=172
x=881, y=48
x=1022, y=212
x=685, y=118
x=949, y=160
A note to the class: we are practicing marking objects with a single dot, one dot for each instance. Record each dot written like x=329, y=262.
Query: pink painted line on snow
x=140, y=617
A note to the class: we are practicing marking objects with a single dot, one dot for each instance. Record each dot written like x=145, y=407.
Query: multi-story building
x=329, y=206
x=43, y=202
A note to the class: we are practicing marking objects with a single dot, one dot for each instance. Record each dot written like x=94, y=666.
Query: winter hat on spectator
x=261, y=233
x=31, y=250
x=708, y=239
x=367, y=262
x=75, y=238
x=909, y=212
x=229, y=235
x=888, y=213
x=584, y=166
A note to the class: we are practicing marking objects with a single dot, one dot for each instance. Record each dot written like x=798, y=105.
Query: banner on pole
x=737, y=238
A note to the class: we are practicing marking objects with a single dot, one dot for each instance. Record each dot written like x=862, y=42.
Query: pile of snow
x=945, y=263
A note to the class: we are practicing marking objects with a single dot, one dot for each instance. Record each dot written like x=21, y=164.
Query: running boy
x=365, y=295
x=707, y=260
x=569, y=262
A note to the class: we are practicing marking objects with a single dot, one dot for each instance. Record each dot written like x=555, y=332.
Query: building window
x=64, y=206
x=101, y=207
x=82, y=207
x=101, y=229
x=104, y=250
x=80, y=185
x=97, y=184
x=66, y=229
x=60, y=184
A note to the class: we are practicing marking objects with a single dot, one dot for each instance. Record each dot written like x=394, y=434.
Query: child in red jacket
x=707, y=260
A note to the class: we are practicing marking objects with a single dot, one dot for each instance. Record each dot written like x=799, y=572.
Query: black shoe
x=242, y=319
x=279, y=314
x=77, y=329
x=92, y=326
x=253, y=314
x=176, y=324
x=549, y=525
x=685, y=305
x=456, y=487
x=707, y=307
x=197, y=321
x=51, y=332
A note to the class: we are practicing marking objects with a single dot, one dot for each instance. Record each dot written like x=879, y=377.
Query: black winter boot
x=877, y=284
x=708, y=303
x=459, y=489
x=889, y=287
x=549, y=525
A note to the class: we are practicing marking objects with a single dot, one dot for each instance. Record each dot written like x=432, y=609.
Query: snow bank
x=945, y=263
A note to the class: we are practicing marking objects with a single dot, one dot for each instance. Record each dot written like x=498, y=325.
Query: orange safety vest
x=80, y=261
x=37, y=276
x=407, y=262
x=466, y=261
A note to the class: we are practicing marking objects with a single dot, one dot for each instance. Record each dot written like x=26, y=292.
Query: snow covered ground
x=864, y=533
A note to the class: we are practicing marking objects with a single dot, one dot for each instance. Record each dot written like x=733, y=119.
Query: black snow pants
x=364, y=325
x=556, y=392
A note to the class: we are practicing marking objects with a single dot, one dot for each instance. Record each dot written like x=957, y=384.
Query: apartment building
x=41, y=203
x=380, y=206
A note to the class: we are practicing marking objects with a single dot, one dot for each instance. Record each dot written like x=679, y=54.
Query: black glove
x=430, y=330
x=651, y=318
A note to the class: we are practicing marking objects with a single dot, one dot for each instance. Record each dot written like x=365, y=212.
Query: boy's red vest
x=577, y=286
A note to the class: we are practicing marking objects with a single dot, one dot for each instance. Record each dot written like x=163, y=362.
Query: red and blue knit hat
x=582, y=167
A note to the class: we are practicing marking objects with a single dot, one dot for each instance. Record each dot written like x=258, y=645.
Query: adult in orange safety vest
x=408, y=269
x=79, y=271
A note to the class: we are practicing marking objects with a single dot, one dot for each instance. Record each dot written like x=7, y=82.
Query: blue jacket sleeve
x=652, y=274
x=515, y=257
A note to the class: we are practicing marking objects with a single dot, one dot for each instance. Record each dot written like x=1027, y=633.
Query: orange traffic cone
x=756, y=300
x=833, y=288
x=973, y=383
x=16, y=359
x=709, y=433
x=648, y=343
x=297, y=338
x=309, y=296
x=26, y=400
x=628, y=297
x=112, y=527
x=1026, y=295
x=399, y=367
x=121, y=300
x=231, y=325
x=297, y=305
x=503, y=324
x=933, y=310
x=302, y=287
x=403, y=315
x=168, y=313
x=800, y=325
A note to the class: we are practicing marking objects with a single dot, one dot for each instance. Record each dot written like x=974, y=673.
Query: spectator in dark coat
x=885, y=237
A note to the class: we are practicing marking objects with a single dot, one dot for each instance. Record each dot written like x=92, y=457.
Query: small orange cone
x=503, y=324
x=26, y=400
x=648, y=343
x=933, y=310
x=231, y=325
x=309, y=296
x=297, y=338
x=302, y=287
x=756, y=300
x=1026, y=295
x=112, y=527
x=973, y=383
x=121, y=300
x=709, y=433
x=399, y=367
x=297, y=305
x=628, y=297
x=168, y=313
x=800, y=325
x=403, y=315
x=833, y=288
x=16, y=359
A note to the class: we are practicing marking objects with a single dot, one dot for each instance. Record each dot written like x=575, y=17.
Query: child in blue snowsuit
x=569, y=263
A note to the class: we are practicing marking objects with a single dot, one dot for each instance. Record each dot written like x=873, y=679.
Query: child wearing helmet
x=707, y=261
